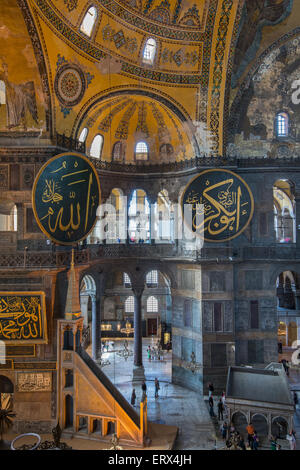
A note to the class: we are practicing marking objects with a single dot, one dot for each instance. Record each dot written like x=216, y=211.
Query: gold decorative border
x=34, y=190
x=251, y=198
x=44, y=340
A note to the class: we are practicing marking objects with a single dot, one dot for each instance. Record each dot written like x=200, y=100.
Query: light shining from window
x=126, y=279
x=96, y=147
x=2, y=92
x=83, y=135
x=89, y=21
x=149, y=51
x=152, y=277
x=141, y=151
x=152, y=304
x=282, y=124
x=129, y=304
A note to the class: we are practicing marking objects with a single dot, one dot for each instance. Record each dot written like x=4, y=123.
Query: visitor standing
x=224, y=429
x=157, y=387
x=255, y=441
x=292, y=441
x=250, y=431
x=211, y=406
x=144, y=390
x=211, y=389
x=220, y=410
x=133, y=397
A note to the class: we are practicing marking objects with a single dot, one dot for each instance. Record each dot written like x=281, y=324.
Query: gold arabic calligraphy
x=219, y=211
x=20, y=318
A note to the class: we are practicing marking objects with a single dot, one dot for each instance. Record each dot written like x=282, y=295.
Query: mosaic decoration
x=119, y=39
x=23, y=317
x=191, y=17
x=4, y=182
x=177, y=11
x=70, y=84
x=161, y=13
x=179, y=57
x=122, y=130
x=142, y=116
x=218, y=70
x=71, y=4
x=91, y=121
x=34, y=382
x=162, y=128
x=65, y=198
x=222, y=205
x=106, y=122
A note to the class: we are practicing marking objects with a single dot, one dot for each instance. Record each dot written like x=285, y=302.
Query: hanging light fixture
x=102, y=362
x=128, y=328
x=125, y=352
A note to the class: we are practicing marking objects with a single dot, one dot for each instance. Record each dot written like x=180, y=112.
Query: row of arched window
x=151, y=279
x=118, y=151
x=88, y=25
x=152, y=304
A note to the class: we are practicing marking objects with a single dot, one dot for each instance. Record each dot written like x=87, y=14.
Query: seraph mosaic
x=23, y=317
x=65, y=198
x=221, y=203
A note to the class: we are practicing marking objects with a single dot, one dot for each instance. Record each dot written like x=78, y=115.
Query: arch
x=139, y=217
x=6, y=385
x=260, y=424
x=83, y=135
x=152, y=277
x=69, y=419
x=284, y=211
x=149, y=51
x=239, y=421
x=279, y=427
x=96, y=146
x=88, y=22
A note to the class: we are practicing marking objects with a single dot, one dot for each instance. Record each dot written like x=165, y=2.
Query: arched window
x=152, y=277
x=96, y=147
x=2, y=92
x=139, y=217
x=83, y=135
x=126, y=280
x=284, y=211
x=89, y=21
x=149, y=51
x=117, y=153
x=141, y=151
x=129, y=304
x=152, y=304
x=282, y=125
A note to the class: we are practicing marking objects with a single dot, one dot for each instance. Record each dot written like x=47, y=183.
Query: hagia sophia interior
x=156, y=95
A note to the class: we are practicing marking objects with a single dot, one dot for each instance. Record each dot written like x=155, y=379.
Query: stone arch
x=260, y=424
x=279, y=427
x=240, y=421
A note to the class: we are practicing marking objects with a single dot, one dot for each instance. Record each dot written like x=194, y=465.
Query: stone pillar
x=297, y=222
x=280, y=291
x=297, y=299
x=96, y=328
x=138, y=368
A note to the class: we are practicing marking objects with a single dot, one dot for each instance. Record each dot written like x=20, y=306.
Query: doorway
x=152, y=326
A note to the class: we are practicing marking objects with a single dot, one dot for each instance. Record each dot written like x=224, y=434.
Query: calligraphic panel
x=221, y=205
x=34, y=381
x=23, y=317
x=65, y=198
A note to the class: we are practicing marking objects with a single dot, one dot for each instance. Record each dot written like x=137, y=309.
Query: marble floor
x=175, y=405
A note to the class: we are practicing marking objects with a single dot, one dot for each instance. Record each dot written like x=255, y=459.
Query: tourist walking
x=220, y=410
x=157, y=387
x=149, y=353
x=133, y=397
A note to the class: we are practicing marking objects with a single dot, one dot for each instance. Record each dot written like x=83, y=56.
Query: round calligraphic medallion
x=69, y=85
x=217, y=205
x=65, y=197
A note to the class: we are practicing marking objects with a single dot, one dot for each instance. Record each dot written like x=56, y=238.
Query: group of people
x=144, y=391
x=221, y=406
x=155, y=352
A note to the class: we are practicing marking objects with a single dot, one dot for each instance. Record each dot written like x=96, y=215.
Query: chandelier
x=193, y=366
x=128, y=329
x=125, y=352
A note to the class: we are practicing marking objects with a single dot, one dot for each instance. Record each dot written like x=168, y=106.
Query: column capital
x=138, y=290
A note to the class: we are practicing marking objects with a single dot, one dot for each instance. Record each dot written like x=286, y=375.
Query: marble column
x=138, y=368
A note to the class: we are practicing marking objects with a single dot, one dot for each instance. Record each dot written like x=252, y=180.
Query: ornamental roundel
x=69, y=85
x=217, y=205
